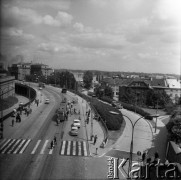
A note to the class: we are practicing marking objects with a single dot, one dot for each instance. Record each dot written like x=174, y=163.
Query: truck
x=60, y=112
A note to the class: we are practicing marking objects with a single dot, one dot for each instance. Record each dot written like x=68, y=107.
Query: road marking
x=51, y=151
x=85, y=149
x=2, y=141
x=63, y=147
x=5, y=144
x=11, y=149
x=44, y=146
x=74, y=147
x=68, y=148
x=19, y=146
x=35, y=148
x=24, y=147
x=9, y=145
x=79, y=148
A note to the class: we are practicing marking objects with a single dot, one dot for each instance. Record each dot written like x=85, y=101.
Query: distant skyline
x=107, y=35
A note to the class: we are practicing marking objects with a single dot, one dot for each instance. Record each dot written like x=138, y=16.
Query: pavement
x=94, y=127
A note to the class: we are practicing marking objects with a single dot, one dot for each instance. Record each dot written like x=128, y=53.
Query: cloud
x=78, y=27
x=57, y=48
x=98, y=40
x=14, y=16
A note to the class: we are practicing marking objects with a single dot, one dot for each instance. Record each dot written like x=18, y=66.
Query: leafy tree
x=99, y=92
x=87, y=79
x=66, y=79
x=108, y=92
x=159, y=98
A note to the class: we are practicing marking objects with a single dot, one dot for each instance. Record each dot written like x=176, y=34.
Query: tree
x=108, y=92
x=87, y=79
x=66, y=79
x=159, y=98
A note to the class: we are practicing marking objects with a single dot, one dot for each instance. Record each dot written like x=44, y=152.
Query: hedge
x=113, y=122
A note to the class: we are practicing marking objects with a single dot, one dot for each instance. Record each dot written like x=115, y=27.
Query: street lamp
x=131, y=145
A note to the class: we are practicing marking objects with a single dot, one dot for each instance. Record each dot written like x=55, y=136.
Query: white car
x=47, y=101
x=74, y=131
x=76, y=123
x=40, y=88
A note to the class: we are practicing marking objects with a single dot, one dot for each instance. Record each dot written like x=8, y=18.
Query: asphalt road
x=25, y=152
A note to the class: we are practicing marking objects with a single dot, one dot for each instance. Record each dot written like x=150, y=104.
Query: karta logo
x=138, y=170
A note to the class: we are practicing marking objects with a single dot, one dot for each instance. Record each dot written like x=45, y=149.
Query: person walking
x=95, y=139
x=55, y=140
x=51, y=145
x=18, y=117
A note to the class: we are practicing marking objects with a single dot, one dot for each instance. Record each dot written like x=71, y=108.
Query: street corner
x=97, y=151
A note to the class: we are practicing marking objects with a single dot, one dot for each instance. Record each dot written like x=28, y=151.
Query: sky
x=110, y=35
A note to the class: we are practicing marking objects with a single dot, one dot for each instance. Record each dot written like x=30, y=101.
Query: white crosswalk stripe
x=44, y=146
x=36, y=146
x=24, y=147
x=19, y=146
x=73, y=148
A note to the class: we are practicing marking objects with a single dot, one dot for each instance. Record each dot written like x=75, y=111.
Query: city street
x=25, y=150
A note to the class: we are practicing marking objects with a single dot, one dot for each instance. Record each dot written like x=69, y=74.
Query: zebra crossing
x=14, y=146
x=20, y=146
x=73, y=148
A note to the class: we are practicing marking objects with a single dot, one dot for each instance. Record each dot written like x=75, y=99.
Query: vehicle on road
x=74, y=131
x=40, y=88
x=76, y=123
x=47, y=101
x=64, y=90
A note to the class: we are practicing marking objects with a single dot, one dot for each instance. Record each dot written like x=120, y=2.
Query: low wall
x=23, y=90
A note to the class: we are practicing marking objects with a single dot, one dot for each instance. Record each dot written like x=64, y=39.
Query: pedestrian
x=95, y=139
x=55, y=140
x=12, y=122
x=143, y=156
x=51, y=145
x=17, y=117
x=87, y=120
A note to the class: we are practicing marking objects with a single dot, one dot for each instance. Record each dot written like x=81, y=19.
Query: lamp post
x=131, y=145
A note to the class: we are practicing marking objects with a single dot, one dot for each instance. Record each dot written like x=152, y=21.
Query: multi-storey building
x=7, y=86
x=21, y=70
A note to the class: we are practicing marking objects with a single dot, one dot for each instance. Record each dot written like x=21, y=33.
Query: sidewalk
x=157, y=142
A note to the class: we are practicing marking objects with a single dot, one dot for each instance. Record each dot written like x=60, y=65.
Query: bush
x=113, y=122
x=106, y=99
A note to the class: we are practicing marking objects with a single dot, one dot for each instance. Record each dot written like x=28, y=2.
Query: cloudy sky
x=113, y=35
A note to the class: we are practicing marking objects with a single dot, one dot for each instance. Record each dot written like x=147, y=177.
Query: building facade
x=7, y=86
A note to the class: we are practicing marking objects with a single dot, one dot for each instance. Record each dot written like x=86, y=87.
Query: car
x=47, y=101
x=40, y=88
x=77, y=124
x=74, y=131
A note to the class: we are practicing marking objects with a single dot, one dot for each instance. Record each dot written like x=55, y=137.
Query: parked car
x=74, y=131
x=40, y=88
x=47, y=101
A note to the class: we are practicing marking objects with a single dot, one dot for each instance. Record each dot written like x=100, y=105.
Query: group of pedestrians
x=18, y=118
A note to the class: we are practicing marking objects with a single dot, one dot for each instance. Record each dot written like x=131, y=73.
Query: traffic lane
x=81, y=131
x=21, y=166
x=142, y=137
x=30, y=125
